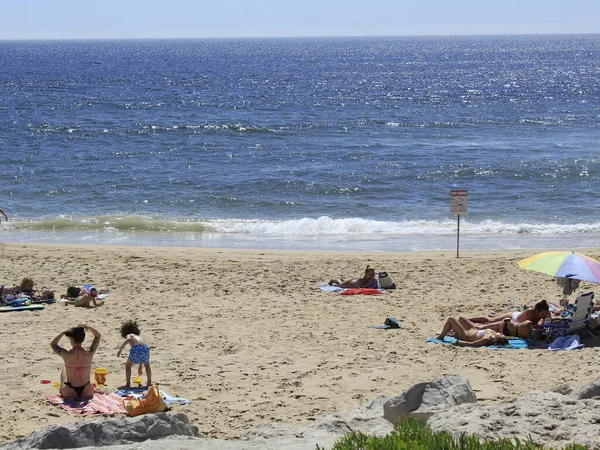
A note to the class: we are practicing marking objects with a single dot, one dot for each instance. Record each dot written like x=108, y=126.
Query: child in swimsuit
x=139, y=353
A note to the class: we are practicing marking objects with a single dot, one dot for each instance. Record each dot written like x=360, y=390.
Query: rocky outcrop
x=173, y=431
x=109, y=431
x=554, y=418
x=423, y=400
x=566, y=414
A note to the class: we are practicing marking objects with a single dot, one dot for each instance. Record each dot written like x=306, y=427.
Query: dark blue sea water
x=336, y=143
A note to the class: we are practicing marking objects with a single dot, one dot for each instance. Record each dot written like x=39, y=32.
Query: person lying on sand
x=535, y=315
x=468, y=335
x=509, y=328
x=75, y=377
x=79, y=296
x=26, y=288
x=367, y=281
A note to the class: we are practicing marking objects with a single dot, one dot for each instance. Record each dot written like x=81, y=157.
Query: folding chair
x=578, y=322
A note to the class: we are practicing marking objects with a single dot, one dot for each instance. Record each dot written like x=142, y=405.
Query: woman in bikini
x=367, y=281
x=538, y=313
x=26, y=288
x=469, y=335
x=508, y=327
x=75, y=377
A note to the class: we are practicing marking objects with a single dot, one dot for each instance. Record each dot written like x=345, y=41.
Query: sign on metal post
x=458, y=206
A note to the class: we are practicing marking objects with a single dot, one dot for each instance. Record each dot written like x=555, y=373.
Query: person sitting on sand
x=468, y=335
x=538, y=313
x=80, y=296
x=367, y=281
x=509, y=328
x=75, y=377
x=139, y=353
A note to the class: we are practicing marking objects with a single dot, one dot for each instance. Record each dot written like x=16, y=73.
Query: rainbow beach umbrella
x=564, y=264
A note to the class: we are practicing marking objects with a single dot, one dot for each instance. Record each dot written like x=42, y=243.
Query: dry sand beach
x=249, y=339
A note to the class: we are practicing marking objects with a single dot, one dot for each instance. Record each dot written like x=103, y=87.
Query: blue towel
x=566, y=343
x=512, y=342
x=140, y=393
x=391, y=323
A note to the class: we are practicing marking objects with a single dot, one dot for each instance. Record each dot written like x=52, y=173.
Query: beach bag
x=153, y=402
x=385, y=281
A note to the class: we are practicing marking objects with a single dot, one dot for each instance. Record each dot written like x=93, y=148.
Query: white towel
x=327, y=288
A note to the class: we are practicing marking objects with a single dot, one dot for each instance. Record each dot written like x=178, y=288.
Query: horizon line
x=295, y=37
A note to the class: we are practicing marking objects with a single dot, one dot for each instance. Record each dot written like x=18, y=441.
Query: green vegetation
x=414, y=434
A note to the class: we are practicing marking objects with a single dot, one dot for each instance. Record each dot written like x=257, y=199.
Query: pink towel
x=101, y=403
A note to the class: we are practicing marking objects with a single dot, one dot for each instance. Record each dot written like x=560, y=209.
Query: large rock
x=324, y=432
x=109, y=431
x=555, y=418
x=173, y=431
x=423, y=400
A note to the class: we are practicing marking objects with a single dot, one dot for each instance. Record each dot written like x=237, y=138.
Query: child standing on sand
x=139, y=353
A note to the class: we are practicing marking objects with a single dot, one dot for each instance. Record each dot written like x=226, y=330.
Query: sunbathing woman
x=25, y=288
x=509, y=328
x=539, y=312
x=75, y=377
x=367, y=281
x=468, y=335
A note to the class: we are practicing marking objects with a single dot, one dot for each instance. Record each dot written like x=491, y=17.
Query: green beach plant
x=414, y=434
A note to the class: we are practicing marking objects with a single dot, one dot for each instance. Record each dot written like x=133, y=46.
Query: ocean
x=307, y=144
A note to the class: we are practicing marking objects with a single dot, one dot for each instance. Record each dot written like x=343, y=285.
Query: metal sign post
x=458, y=206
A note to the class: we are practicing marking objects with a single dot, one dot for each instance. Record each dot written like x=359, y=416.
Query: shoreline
x=362, y=242
x=249, y=339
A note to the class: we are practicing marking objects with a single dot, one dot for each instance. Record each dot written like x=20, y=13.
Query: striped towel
x=101, y=403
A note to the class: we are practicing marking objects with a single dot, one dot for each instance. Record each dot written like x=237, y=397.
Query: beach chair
x=576, y=323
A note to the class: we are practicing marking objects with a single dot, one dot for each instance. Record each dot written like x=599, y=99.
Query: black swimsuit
x=505, y=329
x=78, y=389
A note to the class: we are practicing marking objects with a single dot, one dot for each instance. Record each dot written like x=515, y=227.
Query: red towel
x=99, y=404
x=368, y=291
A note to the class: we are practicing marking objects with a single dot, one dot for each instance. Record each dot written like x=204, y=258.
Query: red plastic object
x=45, y=381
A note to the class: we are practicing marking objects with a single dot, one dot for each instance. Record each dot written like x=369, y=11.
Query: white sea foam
x=307, y=227
x=355, y=226
x=323, y=233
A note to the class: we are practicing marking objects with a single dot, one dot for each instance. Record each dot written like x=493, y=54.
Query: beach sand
x=249, y=339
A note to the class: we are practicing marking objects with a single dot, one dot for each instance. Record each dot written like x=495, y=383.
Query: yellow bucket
x=100, y=375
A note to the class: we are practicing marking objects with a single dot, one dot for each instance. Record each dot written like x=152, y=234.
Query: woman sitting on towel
x=367, y=281
x=75, y=377
x=469, y=335
x=538, y=313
